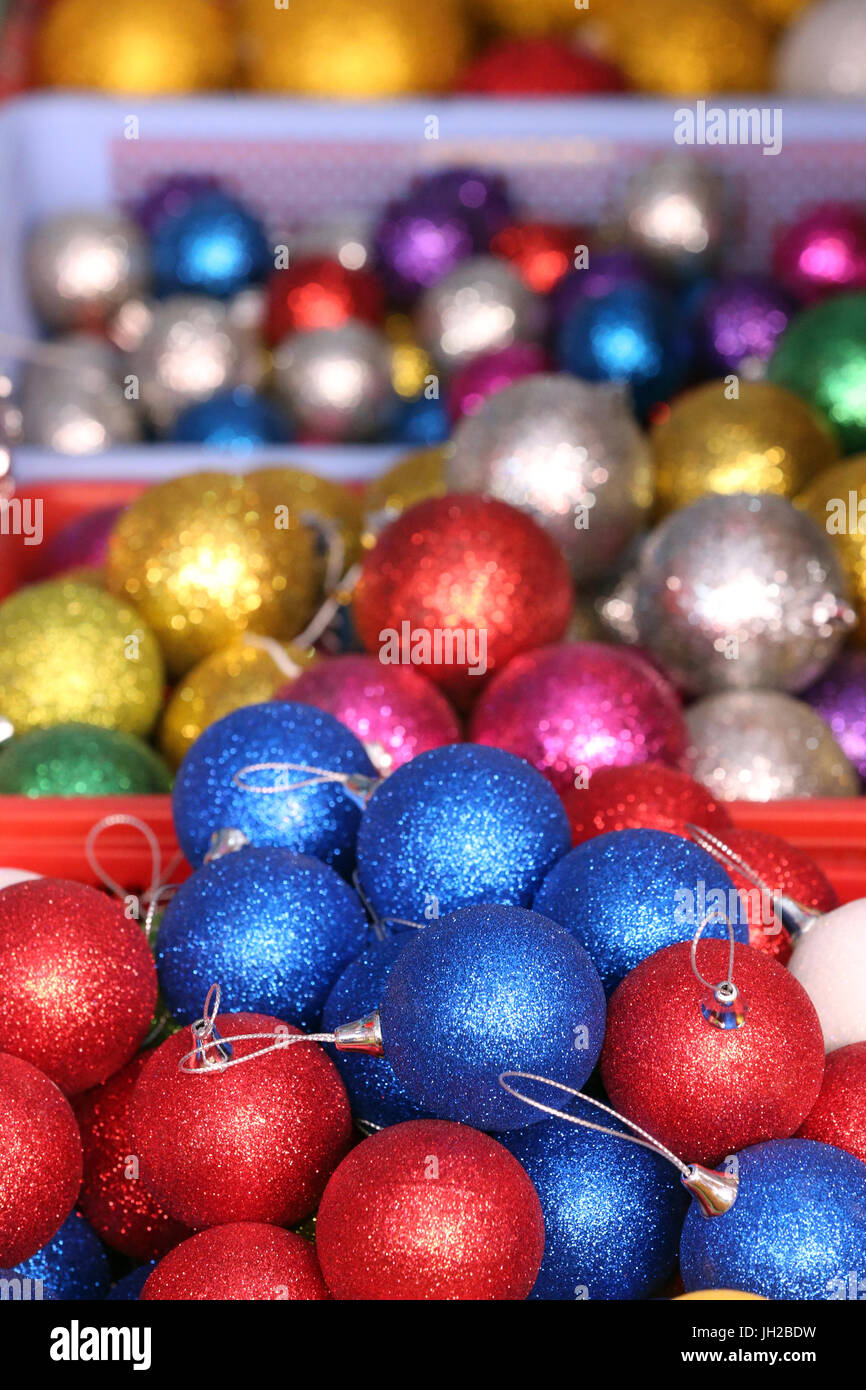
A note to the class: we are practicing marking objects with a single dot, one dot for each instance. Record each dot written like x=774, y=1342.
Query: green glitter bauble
x=822, y=358
x=80, y=760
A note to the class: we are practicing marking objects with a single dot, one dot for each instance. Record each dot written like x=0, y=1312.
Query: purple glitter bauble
x=170, y=197
x=605, y=272
x=739, y=321
x=492, y=372
x=840, y=698
x=80, y=544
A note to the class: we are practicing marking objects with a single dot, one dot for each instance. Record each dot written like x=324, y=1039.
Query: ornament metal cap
x=714, y=1192
x=226, y=841
x=364, y=1035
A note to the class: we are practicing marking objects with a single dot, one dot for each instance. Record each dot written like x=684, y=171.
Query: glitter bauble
x=739, y=592
x=540, y=252
x=81, y=267
x=538, y=67
x=836, y=500
x=568, y=452
x=170, y=196
x=573, y=708
x=335, y=382
x=823, y=252
x=829, y=960
x=205, y=558
x=332, y=509
x=738, y=322
x=79, y=407
x=256, y=1142
x=605, y=271
x=513, y=17
x=797, y=1229
x=691, y=47
x=455, y=826
x=393, y=710
x=492, y=372
x=80, y=544
x=430, y=1211
x=480, y=306
x=760, y=745
x=821, y=54
x=77, y=981
x=240, y=420
x=641, y=795
x=70, y=653
x=321, y=293
x=416, y=477
x=242, y=1260
x=765, y=439
x=822, y=357
x=215, y=246
x=457, y=586
x=421, y=423
x=40, y=1159
x=780, y=12
x=80, y=760
x=839, y=1114
x=705, y=1091
x=676, y=214
x=113, y=1197
x=128, y=1289
x=840, y=698
x=72, y=1267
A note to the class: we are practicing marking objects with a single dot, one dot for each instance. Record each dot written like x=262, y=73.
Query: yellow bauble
x=246, y=673
x=206, y=558
x=779, y=11
x=688, y=47
x=837, y=501
x=72, y=654
x=766, y=440
x=146, y=46
x=718, y=1296
x=411, y=365
x=318, y=499
x=528, y=16
x=419, y=475
x=339, y=48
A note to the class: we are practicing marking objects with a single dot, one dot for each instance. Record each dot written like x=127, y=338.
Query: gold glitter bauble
x=837, y=501
x=130, y=46
x=779, y=11
x=767, y=440
x=719, y=1296
x=248, y=672
x=71, y=654
x=338, y=48
x=419, y=475
x=520, y=17
x=689, y=47
x=205, y=558
x=318, y=499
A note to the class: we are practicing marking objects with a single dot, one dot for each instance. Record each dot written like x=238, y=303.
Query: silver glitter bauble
x=760, y=745
x=480, y=306
x=567, y=451
x=336, y=382
x=675, y=214
x=741, y=592
x=82, y=266
x=823, y=53
x=77, y=405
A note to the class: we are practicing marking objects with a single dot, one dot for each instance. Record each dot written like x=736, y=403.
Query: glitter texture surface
x=739, y=320
x=319, y=292
x=840, y=698
x=430, y=1210
x=214, y=246
x=480, y=306
x=830, y=963
x=838, y=1116
x=82, y=266
x=837, y=502
x=72, y=1266
x=823, y=252
x=128, y=1289
x=822, y=358
x=244, y=1260
x=642, y=795
x=336, y=382
x=40, y=1159
x=80, y=760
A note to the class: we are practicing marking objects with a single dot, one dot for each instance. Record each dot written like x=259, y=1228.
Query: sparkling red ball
x=243, y=1260
x=320, y=293
x=541, y=252
x=642, y=796
x=839, y=1114
x=40, y=1160
x=538, y=67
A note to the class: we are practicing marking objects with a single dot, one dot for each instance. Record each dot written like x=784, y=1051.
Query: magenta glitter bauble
x=570, y=709
x=40, y=1160
x=244, y=1260
x=840, y=698
x=491, y=372
x=823, y=253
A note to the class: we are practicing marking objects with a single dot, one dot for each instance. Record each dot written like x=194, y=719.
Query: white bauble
x=829, y=960
x=823, y=54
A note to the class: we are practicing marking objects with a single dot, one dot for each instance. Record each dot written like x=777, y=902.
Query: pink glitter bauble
x=80, y=544
x=492, y=372
x=823, y=253
x=573, y=708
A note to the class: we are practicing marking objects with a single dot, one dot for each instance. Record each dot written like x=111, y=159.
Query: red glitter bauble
x=541, y=252
x=113, y=1198
x=40, y=1160
x=839, y=1114
x=456, y=586
x=539, y=67
x=823, y=253
x=573, y=708
x=706, y=1091
x=430, y=1210
x=77, y=981
x=320, y=293
x=256, y=1142
x=643, y=796
x=245, y=1260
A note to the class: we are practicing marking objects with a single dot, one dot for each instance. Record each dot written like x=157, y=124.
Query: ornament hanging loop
x=722, y=1005
x=357, y=785
x=795, y=918
x=213, y=1053
x=207, y=1035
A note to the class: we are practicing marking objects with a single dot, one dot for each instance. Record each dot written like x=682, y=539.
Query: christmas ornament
x=243, y=1260
x=255, y=1142
x=483, y=376
x=82, y=266
x=839, y=1114
x=70, y=653
x=568, y=452
x=335, y=382
x=204, y=558
x=331, y=508
x=572, y=708
x=76, y=404
x=80, y=544
x=780, y=12
x=512, y=17
x=456, y=826
x=738, y=322
x=113, y=1197
x=480, y=306
x=712, y=1089
x=80, y=760
x=611, y=1225
x=829, y=960
x=219, y=785
x=483, y=990
x=692, y=47
x=458, y=585
x=416, y=477
x=836, y=500
x=797, y=1229
x=760, y=745
x=215, y=246
x=641, y=795
x=240, y=419
x=72, y=1266
x=840, y=698
x=421, y=422
x=762, y=440
x=430, y=1210
x=541, y=252
x=319, y=292
x=820, y=55
x=822, y=357
x=739, y=592
x=128, y=1289
x=604, y=271
x=823, y=252
x=170, y=196
x=40, y=1147
x=676, y=213
x=538, y=67
x=77, y=981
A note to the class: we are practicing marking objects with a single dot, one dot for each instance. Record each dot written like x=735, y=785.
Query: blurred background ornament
x=822, y=357
x=215, y=246
x=676, y=212
x=541, y=252
x=538, y=67
x=170, y=196
x=241, y=1260
x=81, y=544
x=320, y=292
x=689, y=47
x=821, y=54
x=41, y=1169
x=72, y=1267
x=344, y=237
x=605, y=271
x=83, y=266
x=824, y=251
x=738, y=321
x=335, y=382
x=417, y=476
x=74, y=402
x=840, y=698
x=490, y=372
x=80, y=760
x=641, y=795
x=239, y=420
x=423, y=423
x=838, y=1116
x=836, y=500
x=480, y=306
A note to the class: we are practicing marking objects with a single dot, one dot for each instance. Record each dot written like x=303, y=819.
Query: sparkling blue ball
x=73, y=1265
x=374, y=1091
x=239, y=420
x=796, y=1231
x=487, y=990
x=214, y=246
x=320, y=820
x=459, y=825
x=422, y=423
x=131, y=1285
x=613, y=1212
x=272, y=927
x=633, y=334
x=627, y=894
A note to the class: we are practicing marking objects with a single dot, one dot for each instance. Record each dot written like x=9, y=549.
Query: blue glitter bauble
x=239, y=420
x=459, y=825
x=73, y=1265
x=213, y=247
x=487, y=990
x=321, y=820
x=613, y=1211
x=627, y=894
x=796, y=1231
x=374, y=1092
x=422, y=423
x=274, y=928
x=633, y=334
x=131, y=1285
